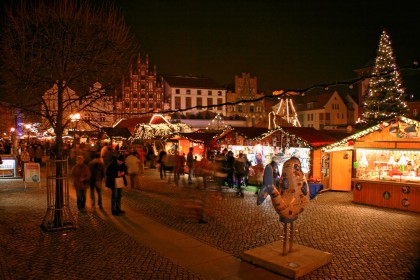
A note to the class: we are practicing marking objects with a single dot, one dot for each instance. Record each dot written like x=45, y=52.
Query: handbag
x=119, y=182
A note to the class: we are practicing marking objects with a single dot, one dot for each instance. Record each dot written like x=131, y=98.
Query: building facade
x=246, y=88
x=326, y=110
x=142, y=91
x=191, y=95
x=87, y=112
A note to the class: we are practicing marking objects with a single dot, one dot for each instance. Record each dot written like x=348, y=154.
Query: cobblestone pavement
x=366, y=242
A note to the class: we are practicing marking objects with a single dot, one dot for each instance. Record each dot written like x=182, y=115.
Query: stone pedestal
x=300, y=261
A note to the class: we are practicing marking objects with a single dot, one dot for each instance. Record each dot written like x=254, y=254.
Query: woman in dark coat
x=116, y=168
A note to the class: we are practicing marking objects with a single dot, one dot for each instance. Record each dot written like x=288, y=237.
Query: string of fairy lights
x=302, y=92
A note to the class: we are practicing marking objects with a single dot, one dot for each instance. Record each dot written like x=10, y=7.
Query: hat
x=120, y=158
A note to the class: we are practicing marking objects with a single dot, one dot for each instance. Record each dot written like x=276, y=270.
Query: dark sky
x=285, y=44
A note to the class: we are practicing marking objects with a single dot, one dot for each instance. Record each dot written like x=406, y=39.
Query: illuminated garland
x=368, y=131
x=301, y=92
x=155, y=131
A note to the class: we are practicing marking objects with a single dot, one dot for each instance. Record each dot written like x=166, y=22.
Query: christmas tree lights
x=385, y=97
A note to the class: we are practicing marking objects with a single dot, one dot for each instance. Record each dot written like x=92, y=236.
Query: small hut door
x=340, y=170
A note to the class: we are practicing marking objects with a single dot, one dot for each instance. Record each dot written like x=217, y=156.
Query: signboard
x=32, y=173
x=8, y=167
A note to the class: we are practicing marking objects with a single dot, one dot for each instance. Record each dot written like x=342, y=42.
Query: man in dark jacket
x=116, y=169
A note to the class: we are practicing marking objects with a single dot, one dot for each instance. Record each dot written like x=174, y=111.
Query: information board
x=32, y=172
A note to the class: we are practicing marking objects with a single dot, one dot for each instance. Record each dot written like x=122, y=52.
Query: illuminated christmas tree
x=385, y=97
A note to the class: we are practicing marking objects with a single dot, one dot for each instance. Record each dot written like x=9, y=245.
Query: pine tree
x=385, y=97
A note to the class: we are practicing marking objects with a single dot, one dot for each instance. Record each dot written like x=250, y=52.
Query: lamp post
x=28, y=129
x=13, y=138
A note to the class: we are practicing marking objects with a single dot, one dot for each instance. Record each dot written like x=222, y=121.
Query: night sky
x=285, y=44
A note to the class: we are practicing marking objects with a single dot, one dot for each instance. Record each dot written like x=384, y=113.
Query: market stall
x=386, y=166
x=262, y=146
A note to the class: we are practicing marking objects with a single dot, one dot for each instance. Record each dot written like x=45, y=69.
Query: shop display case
x=388, y=165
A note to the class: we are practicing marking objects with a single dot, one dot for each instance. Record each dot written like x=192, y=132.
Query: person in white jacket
x=133, y=169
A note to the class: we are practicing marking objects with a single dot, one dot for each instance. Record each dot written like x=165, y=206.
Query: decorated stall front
x=386, y=164
x=262, y=146
x=201, y=141
x=156, y=130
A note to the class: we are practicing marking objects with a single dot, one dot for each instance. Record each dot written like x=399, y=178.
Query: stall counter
x=388, y=194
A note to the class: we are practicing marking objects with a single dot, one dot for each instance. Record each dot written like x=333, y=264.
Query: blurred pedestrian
x=97, y=170
x=38, y=154
x=141, y=154
x=31, y=152
x=190, y=164
x=24, y=158
x=240, y=172
x=116, y=169
x=81, y=178
x=179, y=166
x=230, y=169
x=162, y=163
x=133, y=169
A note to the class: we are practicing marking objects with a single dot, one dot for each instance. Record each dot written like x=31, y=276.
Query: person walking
x=38, y=154
x=230, y=169
x=162, y=163
x=81, y=177
x=31, y=152
x=141, y=154
x=240, y=172
x=179, y=166
x=25, y=157
x=190, y=164
x=133, y=169
x=116, y=169
x=97, y=170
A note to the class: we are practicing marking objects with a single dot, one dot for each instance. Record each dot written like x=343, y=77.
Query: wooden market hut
x=381, y=164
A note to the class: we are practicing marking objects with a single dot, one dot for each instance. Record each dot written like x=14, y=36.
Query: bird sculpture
x=290, y=199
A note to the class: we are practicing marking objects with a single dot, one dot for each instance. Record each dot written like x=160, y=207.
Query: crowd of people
x=93, y=167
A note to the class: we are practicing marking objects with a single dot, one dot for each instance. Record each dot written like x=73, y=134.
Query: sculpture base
x=300, y=261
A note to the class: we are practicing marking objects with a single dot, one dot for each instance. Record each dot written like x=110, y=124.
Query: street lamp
x=13, y=139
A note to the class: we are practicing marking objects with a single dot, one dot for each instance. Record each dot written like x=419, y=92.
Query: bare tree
x=62, y=44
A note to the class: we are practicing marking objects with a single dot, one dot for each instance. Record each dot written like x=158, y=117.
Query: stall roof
x=133, y=122
x=313, y=137
x=130, y=124
x=197, y=137
x=411, y=130
x=122, y=132
x=251, y=132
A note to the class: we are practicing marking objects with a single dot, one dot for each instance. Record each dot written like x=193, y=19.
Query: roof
x=130, y=124
x=313, y=137
x=198, y=137
x=192, y=82
x=250, y=132
x=122, y=132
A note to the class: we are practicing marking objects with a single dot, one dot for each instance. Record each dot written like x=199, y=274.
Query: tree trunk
x=59, y=184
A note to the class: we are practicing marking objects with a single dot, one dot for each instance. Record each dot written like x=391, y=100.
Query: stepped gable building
x=142, y=91
x=184, y=92
x=246, y=89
